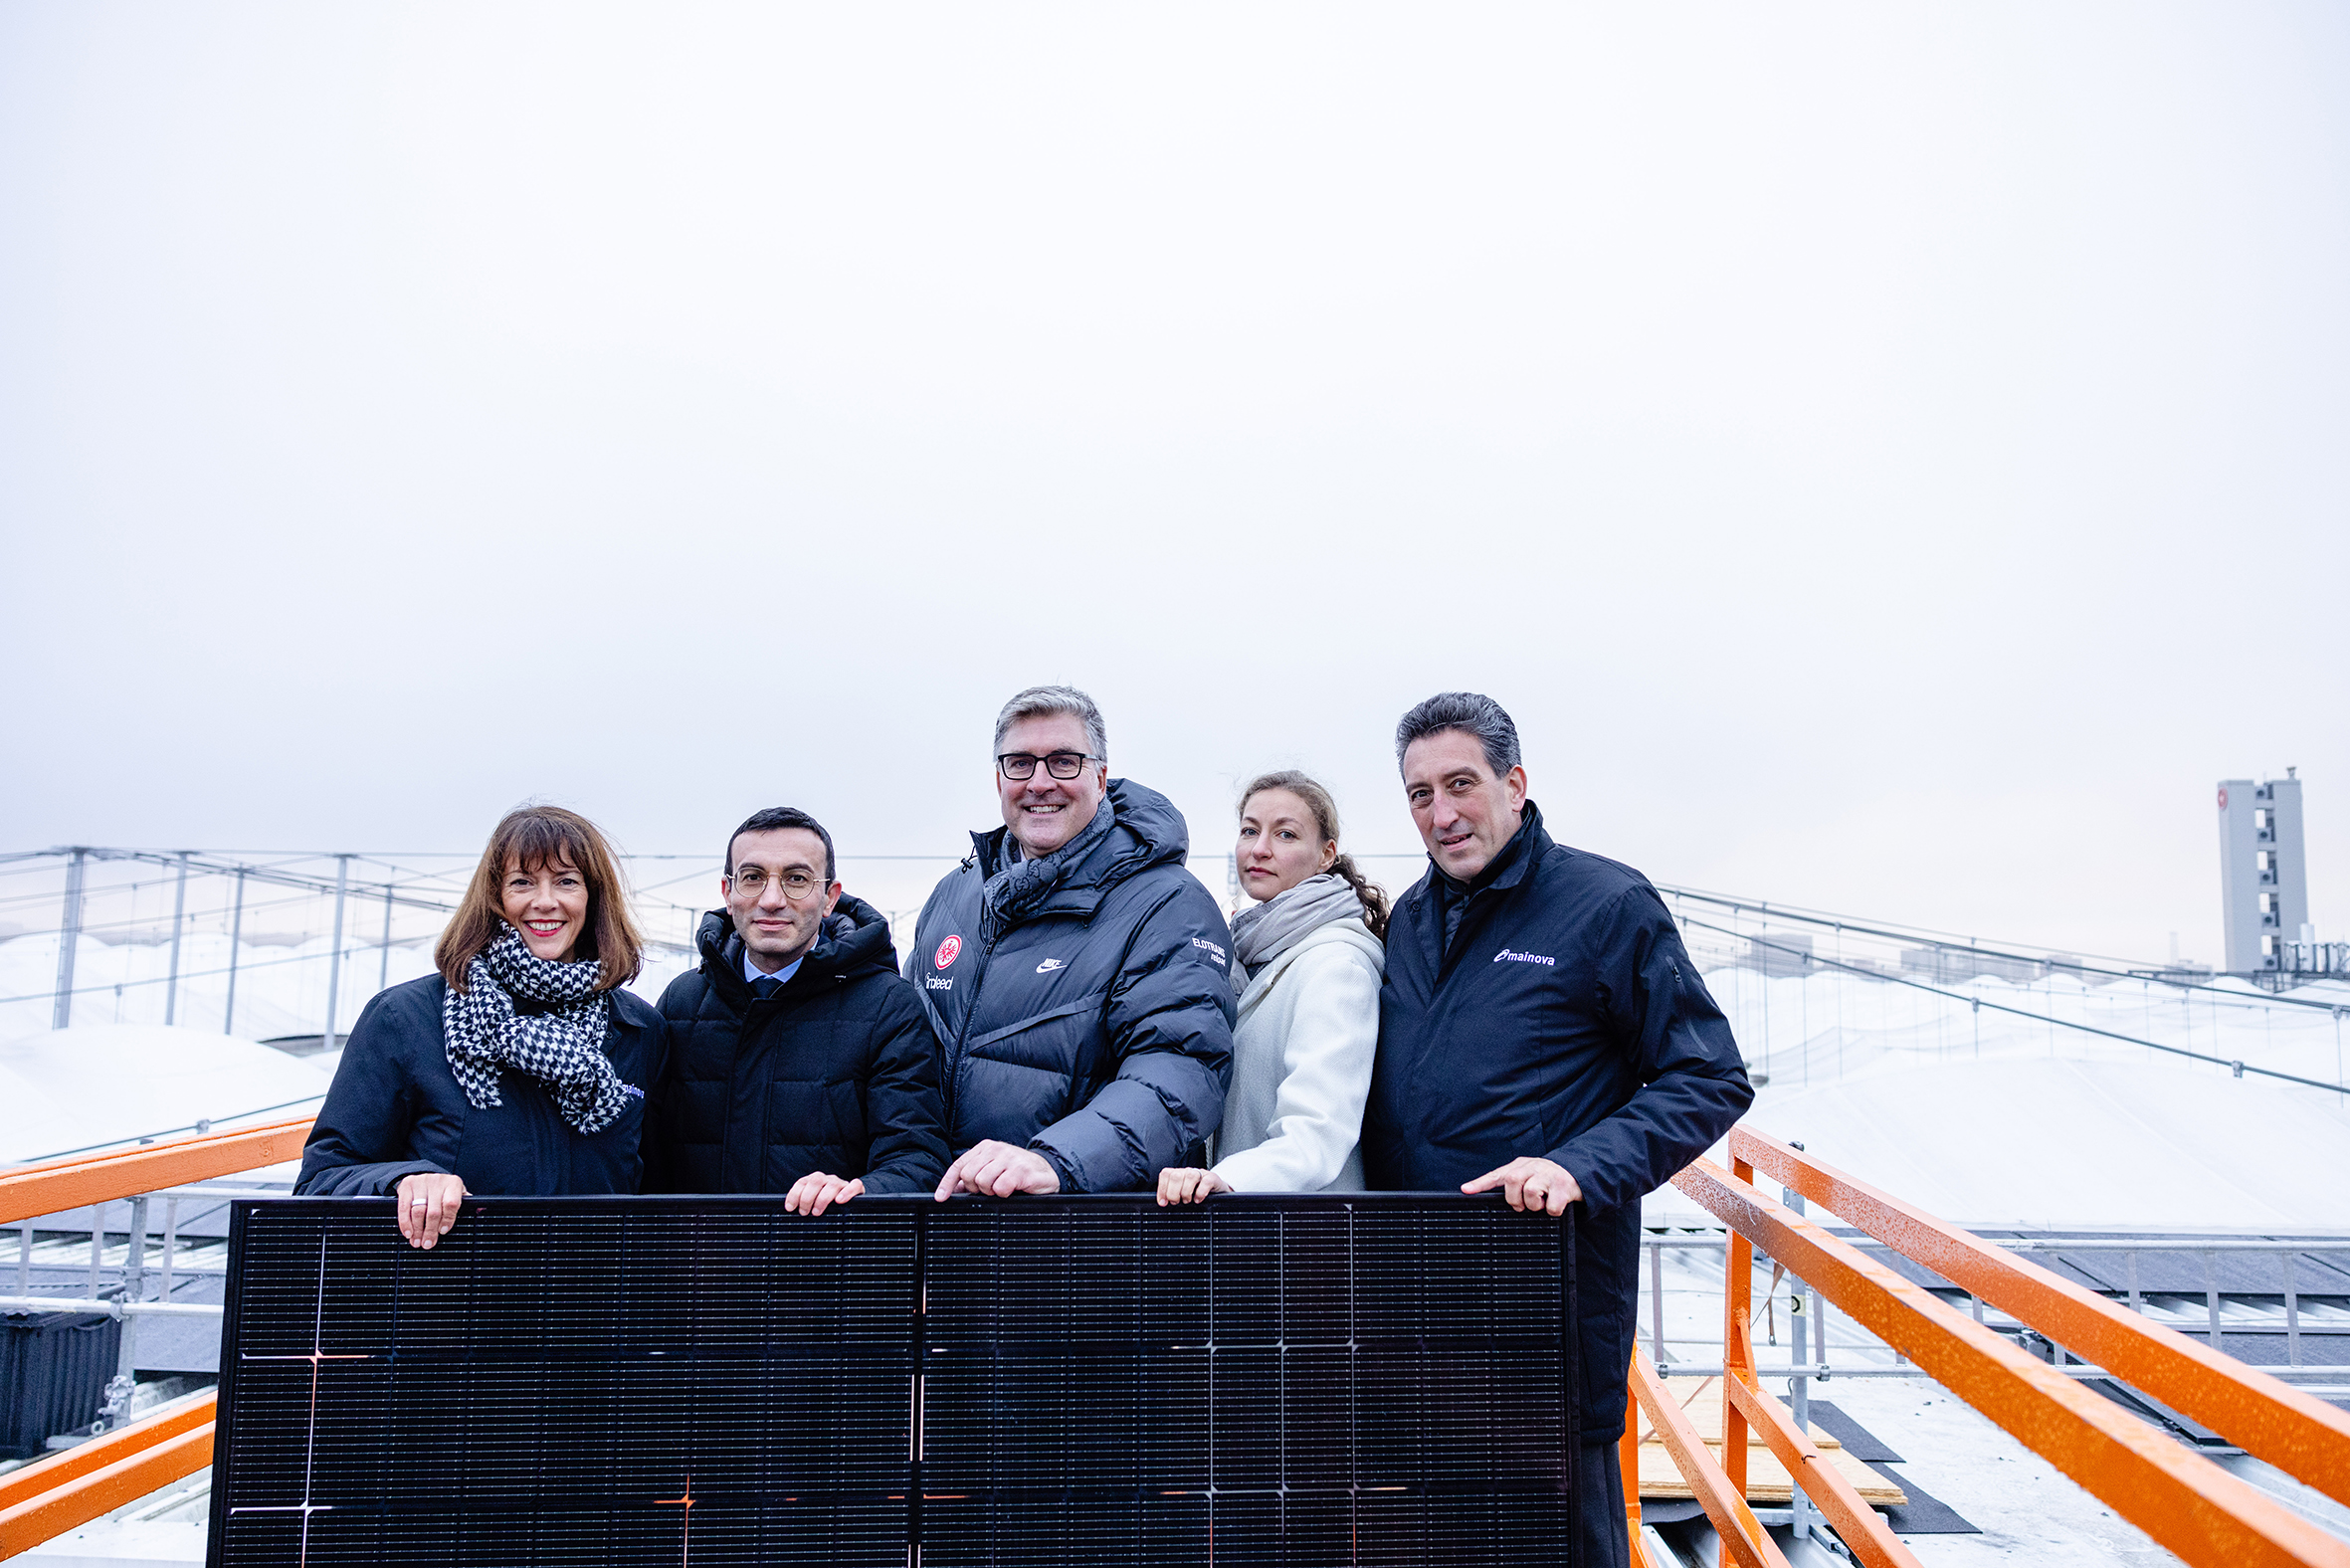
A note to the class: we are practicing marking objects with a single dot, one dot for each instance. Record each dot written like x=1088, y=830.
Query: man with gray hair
x=1079, y=974
x=1541, y=1032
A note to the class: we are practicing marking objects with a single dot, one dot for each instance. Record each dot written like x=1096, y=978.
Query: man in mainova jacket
x=1079, y=974
x=799, y=1061
x=1541, y=1030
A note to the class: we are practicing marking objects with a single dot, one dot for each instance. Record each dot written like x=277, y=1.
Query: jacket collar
x=1506, y=870
x=855, y=937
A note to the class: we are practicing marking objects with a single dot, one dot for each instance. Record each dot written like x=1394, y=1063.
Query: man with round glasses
x=799, y=1061
x=1079, y=974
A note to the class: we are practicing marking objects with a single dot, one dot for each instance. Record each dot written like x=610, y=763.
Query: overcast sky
x=1890, y=459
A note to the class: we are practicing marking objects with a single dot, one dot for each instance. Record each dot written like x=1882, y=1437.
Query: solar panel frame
x=1083, y=1379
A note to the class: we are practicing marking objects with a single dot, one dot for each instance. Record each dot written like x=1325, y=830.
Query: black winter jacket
x=1564, y=1020
x=1097, y=1031
x=395, y=1109
x=838, y=1072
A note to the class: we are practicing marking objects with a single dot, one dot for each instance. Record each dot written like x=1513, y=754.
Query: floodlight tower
x=2263, y=883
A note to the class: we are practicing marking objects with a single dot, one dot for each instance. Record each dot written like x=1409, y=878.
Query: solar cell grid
x=1309, y=1380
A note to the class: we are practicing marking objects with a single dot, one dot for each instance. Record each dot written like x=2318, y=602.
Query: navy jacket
x=1565, y=1020
x=838, y=1072
x=395, y=1109
x=1097, y=1030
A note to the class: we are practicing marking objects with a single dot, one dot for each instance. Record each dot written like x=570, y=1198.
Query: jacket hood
x=1147, y=831
x=855, y=939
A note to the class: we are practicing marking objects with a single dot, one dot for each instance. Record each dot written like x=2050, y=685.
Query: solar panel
x=1319, y=1379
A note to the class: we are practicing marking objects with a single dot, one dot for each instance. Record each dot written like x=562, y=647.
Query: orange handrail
x=2265, y=1416
x=73, y=1463
x=1857, y=1523
x=1742, y=1535
x=2182, y=1500
x=30, y=1191
x=53, y=1496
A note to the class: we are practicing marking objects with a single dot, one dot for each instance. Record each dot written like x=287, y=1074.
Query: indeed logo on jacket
x=1564, y=1020
x=1095, y=1025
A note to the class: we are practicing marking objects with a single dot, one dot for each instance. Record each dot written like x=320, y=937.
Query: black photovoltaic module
x=1308, y=1380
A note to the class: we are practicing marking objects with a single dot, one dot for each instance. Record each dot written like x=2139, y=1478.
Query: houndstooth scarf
x=562, y=1046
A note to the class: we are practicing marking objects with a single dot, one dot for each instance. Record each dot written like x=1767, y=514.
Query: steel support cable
x=2240, y=1068
x=206, y=1125
x=1947, y=943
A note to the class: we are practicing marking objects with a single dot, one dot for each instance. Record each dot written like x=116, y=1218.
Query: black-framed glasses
x=1021, y=765
x=797, y=884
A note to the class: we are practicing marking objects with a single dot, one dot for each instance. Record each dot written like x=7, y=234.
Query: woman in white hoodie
x=1308, y=958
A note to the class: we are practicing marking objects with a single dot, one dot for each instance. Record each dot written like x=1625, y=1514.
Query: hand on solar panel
x=817, y=1191
x=1530, y=1182
x=427, y=1205
x=998, y=1170
x=1189, y=1184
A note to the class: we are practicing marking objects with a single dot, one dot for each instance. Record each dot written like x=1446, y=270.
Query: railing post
x=134, y=1287
x=179, y=914
x=2210, y=1291
x=383, y=973
x=1656, y=1304
x=1628, y=1466
x=1802, y=1514
x=1737, y=1341
x=2293, y=1316
x=69, y=940
x=98, y=1244
x=170, y=1246
x=228, y=1015
x=342, y=887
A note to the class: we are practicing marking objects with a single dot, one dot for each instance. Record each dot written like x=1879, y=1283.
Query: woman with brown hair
x=1308, y=958
x=520, y=1068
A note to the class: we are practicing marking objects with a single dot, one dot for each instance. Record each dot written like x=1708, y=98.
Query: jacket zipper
x=954, y=1062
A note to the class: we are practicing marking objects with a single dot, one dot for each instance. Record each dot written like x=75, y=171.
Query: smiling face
x=1280, y=844
x=776, y=927
x=548, y=905
x=1465, y=814
x=1044, y=812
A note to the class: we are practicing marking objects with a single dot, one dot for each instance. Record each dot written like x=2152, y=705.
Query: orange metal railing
x=30, y=1191
x=57, y=1493
x=2182, y=1500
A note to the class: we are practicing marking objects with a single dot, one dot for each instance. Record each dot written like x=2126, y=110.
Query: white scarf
x=1263, y=933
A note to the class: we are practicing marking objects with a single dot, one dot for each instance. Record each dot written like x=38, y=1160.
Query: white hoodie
x=1302, y=1055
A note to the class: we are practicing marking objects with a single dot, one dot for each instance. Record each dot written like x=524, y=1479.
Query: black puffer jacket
x=838, y=1072
x=1097, y=1029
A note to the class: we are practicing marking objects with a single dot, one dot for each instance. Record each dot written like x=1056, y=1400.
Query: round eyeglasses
x=752, y=881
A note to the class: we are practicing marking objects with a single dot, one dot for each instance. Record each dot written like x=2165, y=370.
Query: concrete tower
x=2264, y=884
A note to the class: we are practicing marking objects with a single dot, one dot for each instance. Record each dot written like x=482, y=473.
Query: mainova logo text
x=1525, y=958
